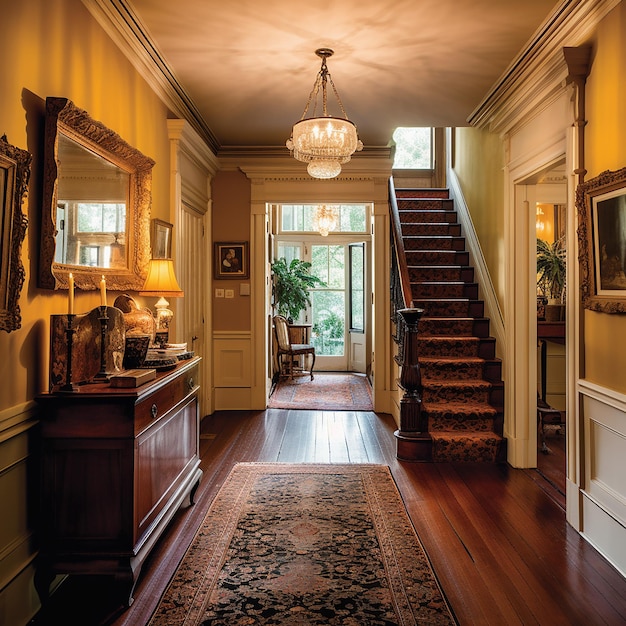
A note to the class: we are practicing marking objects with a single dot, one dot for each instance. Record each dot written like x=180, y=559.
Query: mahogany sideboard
x=116, y=465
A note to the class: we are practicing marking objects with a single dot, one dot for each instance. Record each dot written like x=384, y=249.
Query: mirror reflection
x=91, y=218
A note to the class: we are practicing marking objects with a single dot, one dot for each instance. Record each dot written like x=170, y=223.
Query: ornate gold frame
x=607, y=185
x=14, y=177
x=62, y=116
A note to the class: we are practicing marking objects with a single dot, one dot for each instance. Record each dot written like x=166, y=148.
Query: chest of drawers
x=116, y=465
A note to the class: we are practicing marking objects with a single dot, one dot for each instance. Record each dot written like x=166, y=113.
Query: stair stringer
x=486, y=289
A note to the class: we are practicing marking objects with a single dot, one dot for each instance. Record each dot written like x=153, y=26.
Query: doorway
x=543, y=197
x=337, y=315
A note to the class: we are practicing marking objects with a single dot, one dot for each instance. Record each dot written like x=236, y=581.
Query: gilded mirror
x=14, y=176
x=97, y=196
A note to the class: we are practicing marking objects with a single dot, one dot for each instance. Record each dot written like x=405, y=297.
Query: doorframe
x=282, y=181
x=345, y=239
x=520, y=303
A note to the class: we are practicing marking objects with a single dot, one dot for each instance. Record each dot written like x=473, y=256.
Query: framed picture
x=161, y=239
x=231, y=260
x=15, y=165
x=601, y=205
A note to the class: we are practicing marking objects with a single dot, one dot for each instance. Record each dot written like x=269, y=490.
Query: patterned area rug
x=326, y=392
x=288, y=544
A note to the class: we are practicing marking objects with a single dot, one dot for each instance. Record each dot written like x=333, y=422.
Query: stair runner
x=463, y=394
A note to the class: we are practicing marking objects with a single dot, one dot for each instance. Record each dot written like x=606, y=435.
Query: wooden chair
x=291, y=350
x=546, y=415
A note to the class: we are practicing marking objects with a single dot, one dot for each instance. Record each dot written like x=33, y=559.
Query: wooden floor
x=497, y=539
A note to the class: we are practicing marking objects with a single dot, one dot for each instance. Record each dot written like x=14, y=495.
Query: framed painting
x=14, y=176
x=231, y=260
x=601, y=206
x=161, y=239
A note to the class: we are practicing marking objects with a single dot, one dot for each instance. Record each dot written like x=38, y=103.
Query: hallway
x=499, y=544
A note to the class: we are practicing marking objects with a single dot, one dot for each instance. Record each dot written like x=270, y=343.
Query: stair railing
x=404, y=290
x=413, y=441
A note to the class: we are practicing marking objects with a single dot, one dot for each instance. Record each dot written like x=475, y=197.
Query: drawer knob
x=190, y=384
x=154, y=411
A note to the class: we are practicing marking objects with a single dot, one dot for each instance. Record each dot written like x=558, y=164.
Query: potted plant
x=291, y=284
x=551, y=276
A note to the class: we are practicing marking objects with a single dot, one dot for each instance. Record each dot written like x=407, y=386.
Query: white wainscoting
x=232, y=370
x=604, y=478
x=17, y=544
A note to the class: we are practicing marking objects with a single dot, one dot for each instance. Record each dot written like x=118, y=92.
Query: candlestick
x=103, y=317
x=69, y=331
x=103, y=291
x=70, y=295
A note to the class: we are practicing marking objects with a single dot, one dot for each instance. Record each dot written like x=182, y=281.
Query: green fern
x=551, y=268
x=291, y=284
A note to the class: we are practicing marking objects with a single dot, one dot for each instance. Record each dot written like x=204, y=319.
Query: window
x=414, y=148
x=101, y=217
x=300, y=218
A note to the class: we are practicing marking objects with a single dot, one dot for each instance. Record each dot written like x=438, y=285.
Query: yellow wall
x=605, y=143
x=478, y=163
x=57, y=49
x=54, y=48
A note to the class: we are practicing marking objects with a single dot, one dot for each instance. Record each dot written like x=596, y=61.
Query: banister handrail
x=396, y=229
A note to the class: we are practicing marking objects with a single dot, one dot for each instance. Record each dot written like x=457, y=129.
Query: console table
x=116, y=465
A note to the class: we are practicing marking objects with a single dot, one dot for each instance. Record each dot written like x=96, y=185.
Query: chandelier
x=324, y=142
x=325, y=219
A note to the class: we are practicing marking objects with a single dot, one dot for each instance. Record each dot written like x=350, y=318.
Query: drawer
x=157, y=404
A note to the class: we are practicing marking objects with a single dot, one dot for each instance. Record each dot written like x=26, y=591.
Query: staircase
x=463, y=393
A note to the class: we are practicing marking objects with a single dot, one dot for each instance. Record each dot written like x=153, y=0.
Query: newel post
x=413, y=441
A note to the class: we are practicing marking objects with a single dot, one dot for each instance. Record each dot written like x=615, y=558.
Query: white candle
x=70, y=295
x=103, y=291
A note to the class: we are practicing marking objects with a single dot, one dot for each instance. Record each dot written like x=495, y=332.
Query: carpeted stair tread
x=471, y=390
x=457, y=347
x=459, y=326
x=420, y=193
x=451, y=447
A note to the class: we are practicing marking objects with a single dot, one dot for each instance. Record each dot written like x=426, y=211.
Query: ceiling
x=248, y=66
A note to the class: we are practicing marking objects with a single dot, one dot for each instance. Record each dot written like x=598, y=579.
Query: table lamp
x=161, y=281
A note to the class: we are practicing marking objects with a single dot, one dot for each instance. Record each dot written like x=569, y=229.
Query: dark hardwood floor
x=498, y=541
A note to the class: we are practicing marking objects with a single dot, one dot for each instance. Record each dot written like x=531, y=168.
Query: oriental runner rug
x=326, y=392
x=288, y=544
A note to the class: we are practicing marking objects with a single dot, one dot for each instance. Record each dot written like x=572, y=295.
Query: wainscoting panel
x=232, y=370
x=18, y=494
x=604, y=484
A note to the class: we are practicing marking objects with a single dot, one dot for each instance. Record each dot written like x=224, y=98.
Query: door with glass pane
x=328, y=307
x=337, y=310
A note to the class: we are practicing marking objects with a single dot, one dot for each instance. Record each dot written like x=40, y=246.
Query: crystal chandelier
x=324, y=142
x=325, y=219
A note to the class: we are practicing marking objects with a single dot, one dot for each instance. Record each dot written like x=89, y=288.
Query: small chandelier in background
x=325, y=219
x=539, y=223
x=324, y=142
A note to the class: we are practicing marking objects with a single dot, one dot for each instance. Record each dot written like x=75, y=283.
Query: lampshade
x=324, y=142
x=161, y=280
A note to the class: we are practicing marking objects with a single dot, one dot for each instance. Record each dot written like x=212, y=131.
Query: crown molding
x=122, y=24
x=537, y=74
x=277, y=161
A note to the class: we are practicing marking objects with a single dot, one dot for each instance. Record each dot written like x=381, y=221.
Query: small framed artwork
x=231, y=260
x=161, y=239
x=601, y=205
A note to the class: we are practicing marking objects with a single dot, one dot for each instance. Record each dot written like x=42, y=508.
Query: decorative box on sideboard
x=117, y=463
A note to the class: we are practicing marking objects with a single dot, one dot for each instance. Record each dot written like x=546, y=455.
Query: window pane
x=353, y=218
x=413, y=148
x=300, y=218
x=357, y=319
x=328, y=335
